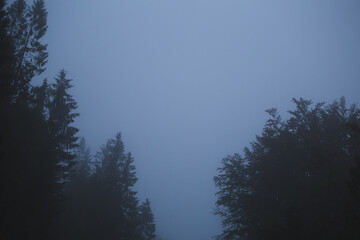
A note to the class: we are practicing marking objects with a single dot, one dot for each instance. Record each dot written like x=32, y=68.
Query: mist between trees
x=300, y=179
x=51, y=188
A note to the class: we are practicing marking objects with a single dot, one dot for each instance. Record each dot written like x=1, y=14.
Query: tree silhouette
x=293, y=181
x=147, y=221
x=28, y=25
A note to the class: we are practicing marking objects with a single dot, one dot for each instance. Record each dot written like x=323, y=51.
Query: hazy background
x=187, y=82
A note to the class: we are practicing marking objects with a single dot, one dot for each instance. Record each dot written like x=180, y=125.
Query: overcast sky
x=187, y=82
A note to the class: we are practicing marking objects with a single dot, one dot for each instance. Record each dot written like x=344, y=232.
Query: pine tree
x=27, y=27
x=73, y=220
x=61, y=116
x=147, y=221
x=118, y=177
x=27, y=169
x=102, y=204
x=36, y=136
x=293, y=181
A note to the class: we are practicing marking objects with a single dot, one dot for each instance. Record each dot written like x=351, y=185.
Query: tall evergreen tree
x=73, y=220
x=293, y=181
x=117, y=175
x=27, y=166
x=103, y=204
x=36, y=136
x=61, y=116
x=27, y=27
x=147, y=221
x=38, y=150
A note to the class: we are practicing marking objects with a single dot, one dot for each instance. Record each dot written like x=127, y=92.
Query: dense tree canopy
x=298, y=180
x=147, y=221
x=103, y=204
x=30, y=157
x=27, y=26
x=49, y=186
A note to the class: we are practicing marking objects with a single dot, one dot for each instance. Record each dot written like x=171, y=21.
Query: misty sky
x=187, y=82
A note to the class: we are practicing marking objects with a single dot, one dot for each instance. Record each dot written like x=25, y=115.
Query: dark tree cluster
x=49, y=188
x=36, y=141
x=300, y=179
x=103, y=204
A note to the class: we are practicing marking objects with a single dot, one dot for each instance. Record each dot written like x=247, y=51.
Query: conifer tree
x=61, y=116
x=36, y=136
x=147, y=221
x=28, y=25
x=73, y=220
x=293, y=183
x=27, y=170
x=118, y=176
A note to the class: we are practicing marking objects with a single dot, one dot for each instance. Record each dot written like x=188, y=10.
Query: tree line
x=300, y=179
x=51, y=187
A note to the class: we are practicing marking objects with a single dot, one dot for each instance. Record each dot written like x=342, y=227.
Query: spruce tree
x=147, y=221
x=28, y=25
x=61, y=116
x=293, y=183
x=118, y=177
x=112, y=204
x=73, y=220
x=27, y=167
x=36, y=136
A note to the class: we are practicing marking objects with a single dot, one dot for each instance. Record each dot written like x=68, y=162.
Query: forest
x=299, y=179
x=51, y=187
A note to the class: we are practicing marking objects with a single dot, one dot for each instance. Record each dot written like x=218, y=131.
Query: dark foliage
x=27, y=26
x=34, y=159
x=147, y=221
x=7, y=59
x=299, y=179
x=49, y=187
x=103, y=204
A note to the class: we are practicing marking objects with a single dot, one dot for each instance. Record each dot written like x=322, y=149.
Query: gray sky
x=187, y=82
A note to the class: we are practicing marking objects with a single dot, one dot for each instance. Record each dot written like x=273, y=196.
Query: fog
x=187, y=83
